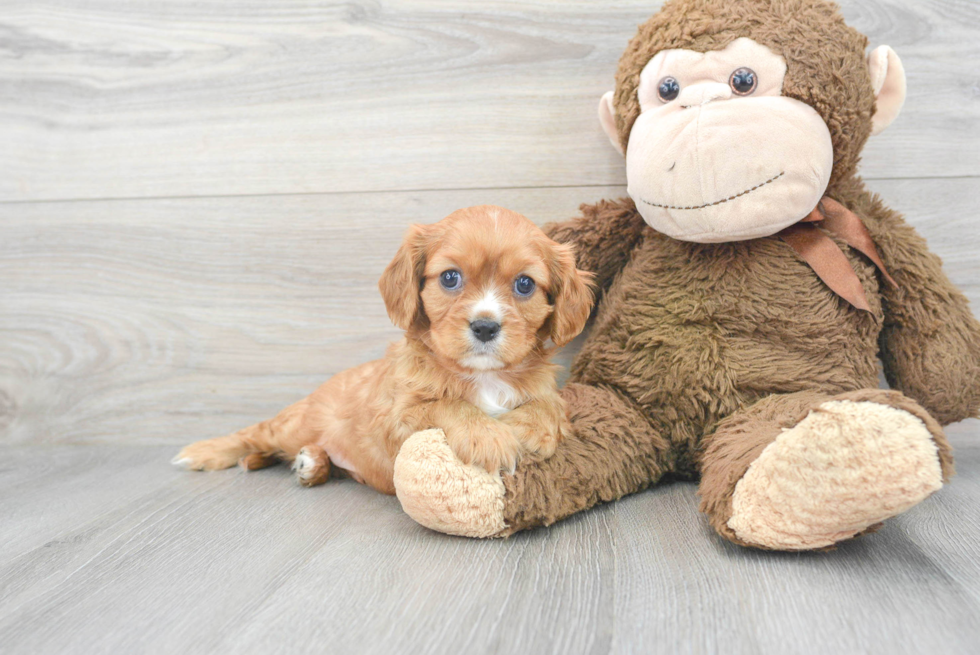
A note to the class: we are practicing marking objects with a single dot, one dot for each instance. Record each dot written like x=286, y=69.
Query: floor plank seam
x=55, y=201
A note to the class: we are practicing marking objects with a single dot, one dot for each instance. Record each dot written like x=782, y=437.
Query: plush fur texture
x=494, y=398
x=700, y=355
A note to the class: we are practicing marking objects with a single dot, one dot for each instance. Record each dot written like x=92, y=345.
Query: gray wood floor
x=196, y=200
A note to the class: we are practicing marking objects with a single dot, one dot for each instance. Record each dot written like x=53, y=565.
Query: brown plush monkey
x=748, y=289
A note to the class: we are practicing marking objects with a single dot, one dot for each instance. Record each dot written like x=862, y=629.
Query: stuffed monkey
x=748, y=288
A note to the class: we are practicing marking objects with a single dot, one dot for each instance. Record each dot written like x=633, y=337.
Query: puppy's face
x=486, y=286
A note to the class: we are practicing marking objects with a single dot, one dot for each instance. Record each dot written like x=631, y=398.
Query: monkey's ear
x=401, y=283
x=607, y=118
x=888, y=82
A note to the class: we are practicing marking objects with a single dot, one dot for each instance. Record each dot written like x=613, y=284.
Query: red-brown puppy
x=478, y=294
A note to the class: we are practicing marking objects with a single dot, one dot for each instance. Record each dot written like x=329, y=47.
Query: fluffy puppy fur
x=478, y=294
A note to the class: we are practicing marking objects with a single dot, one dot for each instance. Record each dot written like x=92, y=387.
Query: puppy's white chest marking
x=493, y=395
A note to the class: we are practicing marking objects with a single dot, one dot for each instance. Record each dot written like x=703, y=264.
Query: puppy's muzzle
x=485, y=330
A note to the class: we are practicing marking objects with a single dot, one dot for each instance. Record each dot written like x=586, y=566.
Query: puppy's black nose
x=485, y=330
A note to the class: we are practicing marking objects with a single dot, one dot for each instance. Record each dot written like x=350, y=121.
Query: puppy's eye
x=743, y=81
x=524, y=286
x=451, y=280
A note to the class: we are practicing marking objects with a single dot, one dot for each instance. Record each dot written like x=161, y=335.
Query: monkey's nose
x=703, y=93
x=485, y=330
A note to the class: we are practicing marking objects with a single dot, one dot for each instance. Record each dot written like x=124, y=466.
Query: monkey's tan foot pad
x=312, y=466
x=844, y=468
x=442, y=493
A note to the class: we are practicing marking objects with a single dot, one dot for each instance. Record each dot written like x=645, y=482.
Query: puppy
x=478, y=294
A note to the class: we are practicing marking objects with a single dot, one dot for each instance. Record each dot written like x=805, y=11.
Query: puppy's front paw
x=491, y=445
x=541, y=438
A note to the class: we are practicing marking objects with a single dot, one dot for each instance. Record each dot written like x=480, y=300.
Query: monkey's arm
x=603, y=237
x=930, y=341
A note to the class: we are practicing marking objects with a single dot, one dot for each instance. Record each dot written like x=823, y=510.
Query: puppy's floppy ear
x=571, y=293
x=402, y=280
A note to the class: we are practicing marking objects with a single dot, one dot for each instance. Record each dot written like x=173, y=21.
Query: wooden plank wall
x=197, y=197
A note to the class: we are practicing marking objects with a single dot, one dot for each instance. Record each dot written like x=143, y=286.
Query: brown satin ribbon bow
x=826, y=258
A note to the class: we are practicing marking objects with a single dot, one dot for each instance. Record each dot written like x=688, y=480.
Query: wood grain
x=165, y=321
x=146, y=558
x=211, y=97
x=241, y=174
x=911, y=588
x=173, y=320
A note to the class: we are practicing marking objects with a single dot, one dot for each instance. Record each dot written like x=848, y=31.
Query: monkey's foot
x=442, y=493
x=843, y=469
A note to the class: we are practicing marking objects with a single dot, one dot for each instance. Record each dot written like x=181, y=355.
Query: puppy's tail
x=260, y=445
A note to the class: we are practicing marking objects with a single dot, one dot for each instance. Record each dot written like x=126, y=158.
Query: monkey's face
x=717, y=152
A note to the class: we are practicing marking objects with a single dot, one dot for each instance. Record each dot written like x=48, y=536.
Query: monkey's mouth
x=717, y=202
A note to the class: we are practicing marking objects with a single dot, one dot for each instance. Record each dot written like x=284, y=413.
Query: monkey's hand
x=930, y=341
x=931, y=351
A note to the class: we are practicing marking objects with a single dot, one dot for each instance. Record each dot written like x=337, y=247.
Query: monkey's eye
x=668, y=89
x=743, y=81
x=524, y=286
x=451, y=280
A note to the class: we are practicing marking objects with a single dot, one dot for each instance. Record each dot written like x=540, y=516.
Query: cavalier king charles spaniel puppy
x=479, y=294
